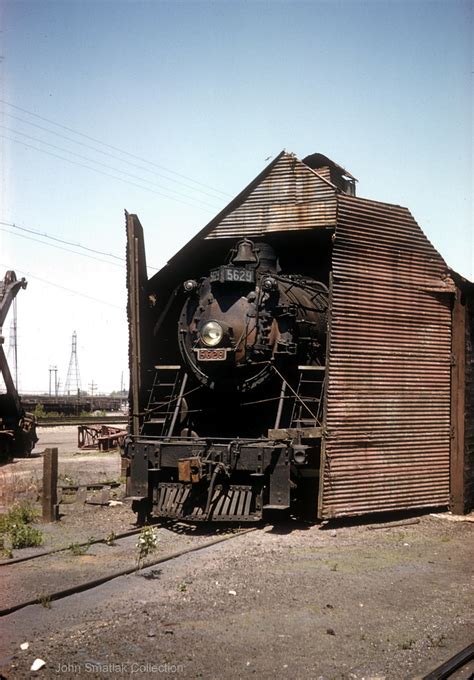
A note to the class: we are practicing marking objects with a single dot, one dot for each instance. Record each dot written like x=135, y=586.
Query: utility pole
x=92, y=388
x=53, y=369
x=121, y=390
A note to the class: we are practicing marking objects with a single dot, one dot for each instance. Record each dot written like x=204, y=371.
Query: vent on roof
x=333, y=172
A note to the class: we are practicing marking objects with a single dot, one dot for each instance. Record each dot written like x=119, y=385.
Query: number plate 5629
x=211, y=354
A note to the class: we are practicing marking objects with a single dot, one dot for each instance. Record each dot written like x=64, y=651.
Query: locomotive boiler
x=233, y=428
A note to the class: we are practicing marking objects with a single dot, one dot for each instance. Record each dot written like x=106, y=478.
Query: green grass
x=77, y=549
x=16, y=529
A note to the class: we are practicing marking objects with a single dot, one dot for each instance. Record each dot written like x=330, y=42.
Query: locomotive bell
x=245, y=253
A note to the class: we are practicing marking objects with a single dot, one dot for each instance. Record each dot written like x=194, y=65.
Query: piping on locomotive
x=234, y=428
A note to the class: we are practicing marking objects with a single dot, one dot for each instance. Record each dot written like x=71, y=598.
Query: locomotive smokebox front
x=243, y=318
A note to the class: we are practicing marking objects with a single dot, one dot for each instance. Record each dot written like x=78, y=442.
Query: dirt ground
x=290, y=600
x=22, y=479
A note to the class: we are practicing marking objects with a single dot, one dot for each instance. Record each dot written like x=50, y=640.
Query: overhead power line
x=106, y=174
x=68, y=290
x=67, y=250
x=111, y=155
x=60, y=240
x=69, y=243
x=110, y=146
x=101, y=172
x=104, y=165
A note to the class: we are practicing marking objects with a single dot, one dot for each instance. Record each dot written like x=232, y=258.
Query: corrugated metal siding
x=387, y=442
x=324, y=172
x=469, y=405
x=291, y=196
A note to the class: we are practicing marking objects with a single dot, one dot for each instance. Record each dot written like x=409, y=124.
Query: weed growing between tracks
x=147, y=544
x=110, y=539
x=78, y=549
x=16, y=530
x=45, y=600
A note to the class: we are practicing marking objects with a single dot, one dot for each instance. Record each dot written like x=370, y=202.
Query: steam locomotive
x=233, y=429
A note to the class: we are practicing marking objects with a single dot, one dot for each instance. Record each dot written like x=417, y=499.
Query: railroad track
x=45, y=553
x=459, y=662
x=94, y=582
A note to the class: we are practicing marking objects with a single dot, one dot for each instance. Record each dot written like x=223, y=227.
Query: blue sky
x=209, y=90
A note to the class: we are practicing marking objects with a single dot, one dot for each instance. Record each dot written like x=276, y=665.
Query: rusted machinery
x=102, y=437
x=307, y=349
x=17, y=428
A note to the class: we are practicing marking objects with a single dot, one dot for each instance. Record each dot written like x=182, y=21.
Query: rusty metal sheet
x=462, y=401
x=190, y=470
x=469, y=405
x=388, y=420
x=289, y=197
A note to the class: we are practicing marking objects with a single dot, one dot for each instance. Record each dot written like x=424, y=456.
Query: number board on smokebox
x=232, y=275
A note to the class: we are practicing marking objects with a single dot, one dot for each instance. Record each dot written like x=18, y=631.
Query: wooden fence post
x=50, y=485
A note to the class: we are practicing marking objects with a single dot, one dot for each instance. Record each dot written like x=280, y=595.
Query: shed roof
x=288, y=195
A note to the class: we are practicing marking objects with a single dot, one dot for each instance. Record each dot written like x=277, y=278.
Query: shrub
x=39, y=411
x=24, y=536
x=15, y=525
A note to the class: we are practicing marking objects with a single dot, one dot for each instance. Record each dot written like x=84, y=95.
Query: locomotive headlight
x=212, y=333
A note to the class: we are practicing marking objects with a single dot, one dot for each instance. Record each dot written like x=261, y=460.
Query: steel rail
x=452, y=665
x=93, y=583
x=27, y=558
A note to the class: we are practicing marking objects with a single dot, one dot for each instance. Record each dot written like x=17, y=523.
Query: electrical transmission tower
x=73, y=380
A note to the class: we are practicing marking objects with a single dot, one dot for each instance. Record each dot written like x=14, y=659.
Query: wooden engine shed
x=397, y=420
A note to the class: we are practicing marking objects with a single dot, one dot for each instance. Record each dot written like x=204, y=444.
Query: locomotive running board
x=229, y=503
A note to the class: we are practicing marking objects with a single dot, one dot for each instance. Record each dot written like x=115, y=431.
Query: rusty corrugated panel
x=387, y=439
x=462, y=397
x=469, y=406
x=325, y=172
x=290, y=197
x=458, y=404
